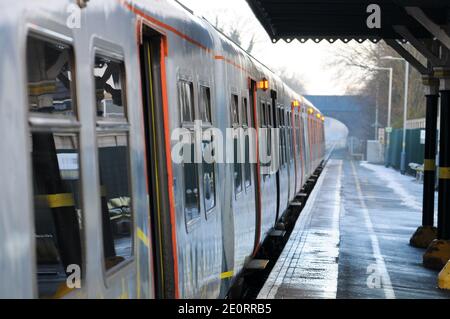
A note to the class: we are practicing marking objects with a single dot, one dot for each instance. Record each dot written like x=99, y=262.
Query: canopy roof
x=344, y=19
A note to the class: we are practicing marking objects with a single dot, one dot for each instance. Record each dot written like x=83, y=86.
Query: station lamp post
x=388, y=128
x=405, y=111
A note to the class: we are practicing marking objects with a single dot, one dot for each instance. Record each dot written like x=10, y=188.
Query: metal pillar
x=429, y=174
x=388, y=126
x=426, y=233
x=438, y=253
x=444, y=163
x=405, y=118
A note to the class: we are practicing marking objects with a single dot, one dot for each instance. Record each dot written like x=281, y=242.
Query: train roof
x=204, y=32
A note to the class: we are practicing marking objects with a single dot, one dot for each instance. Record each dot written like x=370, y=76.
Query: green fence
x=414, y=149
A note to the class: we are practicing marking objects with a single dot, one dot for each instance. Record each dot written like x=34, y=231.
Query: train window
x=269, y=132
x=262, y=113
x=109, y=87
x=269, y=115
x=209, y=181
x=246, y=124
x=50, y=77
x=186, y=99
x=248, y=166
x=55, y=166
x=115, y=197
x=191, y=189
x=237, y=167
x=205, y=104
x=235, y=109
x=57, y=209
x=113, y=161
x=244, y=112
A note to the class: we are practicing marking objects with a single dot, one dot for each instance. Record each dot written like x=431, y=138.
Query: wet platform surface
x=352, y=239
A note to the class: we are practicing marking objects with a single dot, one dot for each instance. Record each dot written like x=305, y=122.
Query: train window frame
x=114, y=126
x=54, y=124
x=235, y=108
x=189, y=125
x=208, y=140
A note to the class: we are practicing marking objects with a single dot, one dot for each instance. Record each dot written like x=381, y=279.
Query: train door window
x=205, y=104
x=113, y=161
x=186, y=100
x=55, y=164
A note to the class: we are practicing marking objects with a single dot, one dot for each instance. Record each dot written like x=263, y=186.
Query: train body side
x=210, y=250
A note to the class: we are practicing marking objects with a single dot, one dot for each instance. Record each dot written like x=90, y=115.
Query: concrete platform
x=352, y=239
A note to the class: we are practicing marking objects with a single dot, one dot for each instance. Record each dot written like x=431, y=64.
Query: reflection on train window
x=57, y=209
x=205, y=104
x=234, y=109
x=191, y=189
x=109, y=87
x=117, y=214
x=50, y=77
x=186, y=99
x=209, y=180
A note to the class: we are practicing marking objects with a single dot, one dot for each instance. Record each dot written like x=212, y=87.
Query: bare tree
x=358, y=63
x=234, y=32
x=292, y=79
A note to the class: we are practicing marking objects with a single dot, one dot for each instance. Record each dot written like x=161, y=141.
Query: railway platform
x=352, y=239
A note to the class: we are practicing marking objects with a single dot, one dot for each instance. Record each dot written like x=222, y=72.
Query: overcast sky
x=309, y=60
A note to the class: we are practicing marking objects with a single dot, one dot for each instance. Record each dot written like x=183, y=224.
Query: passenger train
x=92, y=204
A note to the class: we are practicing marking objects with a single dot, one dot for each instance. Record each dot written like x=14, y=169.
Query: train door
x=155, y=139
x=292, y=150
x=255, y=120
x=276, y=151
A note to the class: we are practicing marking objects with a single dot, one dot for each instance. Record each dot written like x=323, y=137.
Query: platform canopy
x=347, y=19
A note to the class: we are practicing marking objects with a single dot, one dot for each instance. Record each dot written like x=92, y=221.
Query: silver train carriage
x=92, y=204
